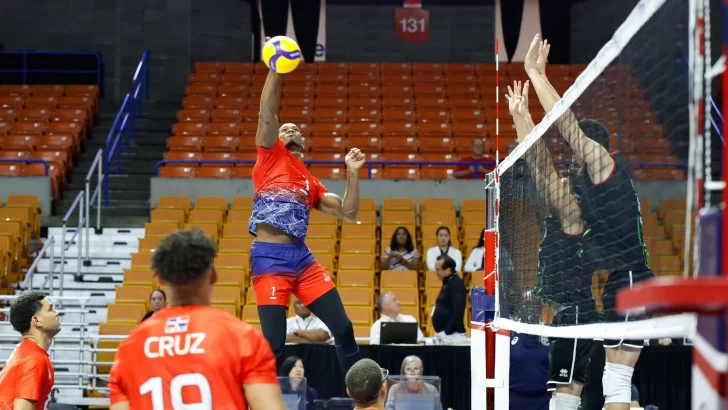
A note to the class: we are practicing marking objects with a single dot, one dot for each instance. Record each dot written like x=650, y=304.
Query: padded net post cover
x=570, y=223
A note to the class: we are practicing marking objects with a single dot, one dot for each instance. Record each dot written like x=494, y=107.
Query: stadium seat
x=398, y=279
x=139, y=277
x=357, y=296
x=359, y=315
x=175, y=202
x=352, y=261
x=132, y=313
x=176, y=216
x=133, y=294
x=355, y=278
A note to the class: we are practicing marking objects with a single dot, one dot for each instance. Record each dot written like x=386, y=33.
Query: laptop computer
x=398, y=332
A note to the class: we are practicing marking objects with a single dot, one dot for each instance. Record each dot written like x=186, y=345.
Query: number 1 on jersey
x=155, y=387
x=273, y=293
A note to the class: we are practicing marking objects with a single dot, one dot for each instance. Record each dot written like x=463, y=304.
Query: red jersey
x=482, y=169
x=28, y=374
x=192, y=355
x=285, y=192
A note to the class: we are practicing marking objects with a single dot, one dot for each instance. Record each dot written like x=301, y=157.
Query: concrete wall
x=379, y=189
x=38, y=186
x=178, y=32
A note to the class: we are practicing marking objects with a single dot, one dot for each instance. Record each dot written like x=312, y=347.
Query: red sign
x=412, y=25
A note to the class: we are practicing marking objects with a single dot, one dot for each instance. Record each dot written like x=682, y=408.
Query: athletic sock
x=564, y=401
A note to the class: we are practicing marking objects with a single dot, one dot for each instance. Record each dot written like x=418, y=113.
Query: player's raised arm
x=347, y=208
x=592, y=153
x=267, y=134
x=556, y=192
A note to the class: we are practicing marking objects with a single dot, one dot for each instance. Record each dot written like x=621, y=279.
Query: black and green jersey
x=563, y=276
x=611, y=210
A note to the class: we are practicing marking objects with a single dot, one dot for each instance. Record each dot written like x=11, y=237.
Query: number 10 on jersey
x=412, y=25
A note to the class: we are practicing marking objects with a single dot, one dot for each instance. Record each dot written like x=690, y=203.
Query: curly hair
x=24, y=308
x=364, y=380
x=184, y=256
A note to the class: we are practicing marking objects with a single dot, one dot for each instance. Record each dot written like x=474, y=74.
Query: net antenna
x=631, y=89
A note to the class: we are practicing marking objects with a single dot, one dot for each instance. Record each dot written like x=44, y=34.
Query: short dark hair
x=447, y=262
x=409, y=245
x=595, y=131
x=24, y=308
x=364, y=380
x=184, y=256
x=288, y=365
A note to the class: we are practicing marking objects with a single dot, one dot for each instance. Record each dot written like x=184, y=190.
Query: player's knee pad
x=617, y=383
x=564, y=401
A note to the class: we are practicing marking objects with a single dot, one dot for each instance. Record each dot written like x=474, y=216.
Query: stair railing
x=97, y=166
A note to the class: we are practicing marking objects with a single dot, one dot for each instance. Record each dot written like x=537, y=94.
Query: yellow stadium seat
x=141, y=259
x=250, y=298
x=319, y=218
x=399, y=279
x=355, y=278
x=362, y=331
x=175, y=216
x=359, y=315
x=357, y=262
x=231, y=277
x=397, y=204
x=149, y=244
x=398, y=218
x=226, y=295
x=473, y=218
x=250, y=315
x=406, y=296
x=132, y=313
x=367, y=204
x=236, y=230
x=412, y=311
x=210, y=229
x=322, y=246
x=467, y=205
x=133, y=294
x=438, y=218
x=139, y=276
x=235, y=245
x=159, y=229
x=359, y=232
x=242, y=202
x=239, y=261
x=239, y=216
x=358, y=246
x=322, y=232
x=357, y=296
x=212, y=202
x=226, y=308
x=175, y=202
x=365, y=217
x=106, y=356
x=116, y=328
x=437, y=205
x=198, y=216
x=327, y=261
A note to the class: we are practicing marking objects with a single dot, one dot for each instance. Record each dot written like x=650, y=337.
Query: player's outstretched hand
x=355, y=159
x=537, y=56
x=517, y=98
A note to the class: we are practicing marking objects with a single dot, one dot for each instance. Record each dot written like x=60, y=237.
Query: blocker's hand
x=517, y=98
x=537, y=56
x=355, y=159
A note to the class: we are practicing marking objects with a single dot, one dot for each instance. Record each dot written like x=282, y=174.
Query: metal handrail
x=78, y=202
x=99, y=71
x=90, y=197
x=371, y=164
x=47, y=247
x=125, y=121
x=29, y=161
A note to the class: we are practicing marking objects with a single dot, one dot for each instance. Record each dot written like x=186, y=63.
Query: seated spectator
x=529, y=372
x=305, y=327
x=158, y=300
x=412, y=366
x=293, y=367
x=444, y=247
x=476, y=258
x=448, y=313
x=389, y=307
x=478, y=155
x=401, y=253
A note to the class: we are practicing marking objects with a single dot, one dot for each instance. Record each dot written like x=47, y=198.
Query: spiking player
x=611, y=210
x=564, y=278
x=191, y=355
x=281, y=263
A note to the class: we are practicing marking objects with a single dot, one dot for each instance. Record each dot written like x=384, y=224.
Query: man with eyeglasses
x=366, y=384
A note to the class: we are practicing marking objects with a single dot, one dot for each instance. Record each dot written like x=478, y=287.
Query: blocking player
x=27, y=378
x=564, y=279
x=611, y=209
x=191, y=355
x=281, y=263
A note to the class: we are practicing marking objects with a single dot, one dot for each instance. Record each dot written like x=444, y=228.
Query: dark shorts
x=618, y=280
x=569, y=358
x=279, y=270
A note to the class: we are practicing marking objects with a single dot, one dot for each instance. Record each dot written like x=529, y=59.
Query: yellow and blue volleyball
x=281, y=54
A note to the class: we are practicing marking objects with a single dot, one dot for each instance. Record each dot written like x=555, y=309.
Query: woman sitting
x=293, y=367
x=476, y=259
x=412, y=369
x=158, y=300
x=444, y=247
x=401, y=253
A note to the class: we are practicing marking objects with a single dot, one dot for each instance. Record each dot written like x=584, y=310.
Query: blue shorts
x=279, y=270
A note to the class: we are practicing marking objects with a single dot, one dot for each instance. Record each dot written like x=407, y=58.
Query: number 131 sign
x=412, y=25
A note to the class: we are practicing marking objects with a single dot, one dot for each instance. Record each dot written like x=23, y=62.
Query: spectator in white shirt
x=444, y=247
x=476, y=258
x=389, y=307
x=401, y=253
x=305, y=327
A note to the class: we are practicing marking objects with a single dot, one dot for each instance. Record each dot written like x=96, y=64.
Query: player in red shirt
x=27, y=378
x=191, y=355
x=281, y=263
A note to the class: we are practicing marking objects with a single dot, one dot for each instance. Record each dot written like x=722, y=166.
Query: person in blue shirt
x=529, y=372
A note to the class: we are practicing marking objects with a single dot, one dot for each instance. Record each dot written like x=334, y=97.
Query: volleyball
x=281, y=54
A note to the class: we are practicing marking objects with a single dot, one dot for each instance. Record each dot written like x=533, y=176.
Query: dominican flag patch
x=177, y=324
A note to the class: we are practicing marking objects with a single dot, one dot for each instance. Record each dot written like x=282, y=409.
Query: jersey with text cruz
x=28, y=374
x=563, y=277
x=285, y=192
x=190, y=355
x=612, y=214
